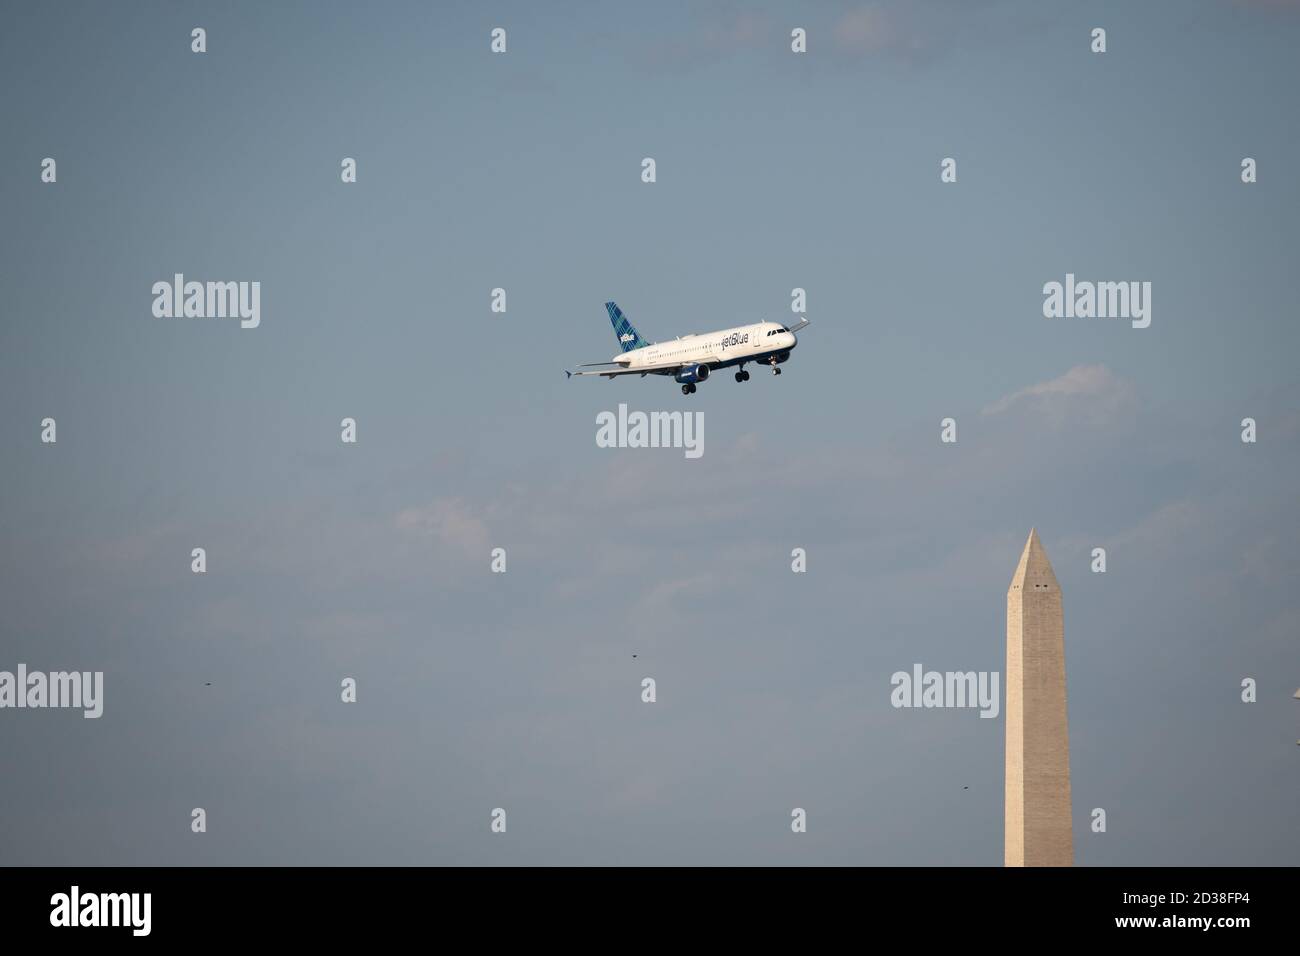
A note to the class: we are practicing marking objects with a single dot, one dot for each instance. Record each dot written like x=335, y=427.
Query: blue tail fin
x=628, y=337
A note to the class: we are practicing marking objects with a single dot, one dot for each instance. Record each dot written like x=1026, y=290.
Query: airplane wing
x=803, y=323
x=668, y=369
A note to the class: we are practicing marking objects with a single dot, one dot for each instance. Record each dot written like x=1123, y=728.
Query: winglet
x=568, y=374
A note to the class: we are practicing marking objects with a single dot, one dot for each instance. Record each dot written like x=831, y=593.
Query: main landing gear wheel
x=688, y=389
x=742, y=376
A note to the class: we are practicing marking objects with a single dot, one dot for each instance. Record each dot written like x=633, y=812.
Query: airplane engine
x=692, y=374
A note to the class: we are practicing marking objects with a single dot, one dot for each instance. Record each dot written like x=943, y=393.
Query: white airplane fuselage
x=764, y=342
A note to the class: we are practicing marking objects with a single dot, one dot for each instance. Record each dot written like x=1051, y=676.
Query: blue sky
x=522, y=171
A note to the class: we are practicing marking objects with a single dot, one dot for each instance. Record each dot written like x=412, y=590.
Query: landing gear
x=688, y=389
x=742, y=376
x=772, y=362
x=776, y=371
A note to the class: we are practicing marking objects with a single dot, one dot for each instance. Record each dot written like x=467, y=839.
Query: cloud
x=744, y=31
x=451, y=522
x=865, y=30
x=728, y=34
x=923, y=33
x=1170, y=528
x=1088, y=392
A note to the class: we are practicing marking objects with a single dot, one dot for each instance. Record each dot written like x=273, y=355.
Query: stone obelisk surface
x=1038, y=740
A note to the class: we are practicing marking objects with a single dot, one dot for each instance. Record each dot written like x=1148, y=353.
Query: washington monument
x=1038, y=737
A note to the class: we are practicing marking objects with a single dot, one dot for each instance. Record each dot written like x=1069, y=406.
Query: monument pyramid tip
x=1034, y=564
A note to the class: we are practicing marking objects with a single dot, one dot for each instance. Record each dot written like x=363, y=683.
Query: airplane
x=690, y=359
